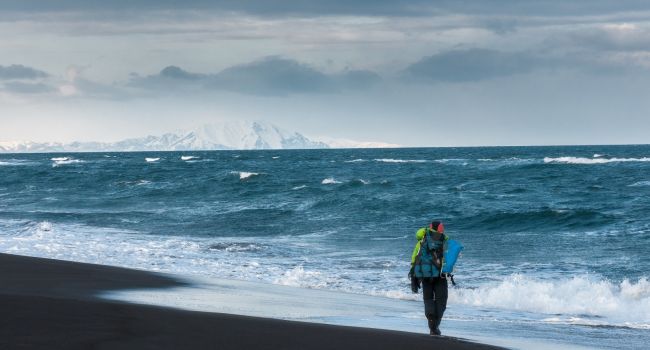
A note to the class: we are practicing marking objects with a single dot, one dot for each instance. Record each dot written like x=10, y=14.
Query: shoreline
x=55, y=304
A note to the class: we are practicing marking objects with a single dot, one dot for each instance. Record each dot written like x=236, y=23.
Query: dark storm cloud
x=18, y=71
x=257, y=7
x=343, y=7
x=470, y=65
x=273, y=76
x=173, y=72
x=269, y=76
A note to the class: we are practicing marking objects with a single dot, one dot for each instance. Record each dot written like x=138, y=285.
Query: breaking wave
x=151, y=160
x=189, y=157
x=540, y=217
x=579, y=300
x=595, y=160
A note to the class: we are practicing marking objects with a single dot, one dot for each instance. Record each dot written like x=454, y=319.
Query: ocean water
x=556, y=238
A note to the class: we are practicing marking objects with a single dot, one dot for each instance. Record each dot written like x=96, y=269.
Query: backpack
x=428, y=262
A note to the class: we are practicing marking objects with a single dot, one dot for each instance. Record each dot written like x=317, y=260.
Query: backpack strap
x=419, y=256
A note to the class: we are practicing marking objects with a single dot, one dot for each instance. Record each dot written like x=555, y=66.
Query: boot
x=436, y=325
x=433, y=326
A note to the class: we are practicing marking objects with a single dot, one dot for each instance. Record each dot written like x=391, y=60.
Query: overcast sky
x=410, y=72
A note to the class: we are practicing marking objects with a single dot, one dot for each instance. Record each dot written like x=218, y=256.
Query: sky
x=407, y=72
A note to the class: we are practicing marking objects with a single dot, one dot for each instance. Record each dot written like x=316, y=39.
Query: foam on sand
x=279, y=301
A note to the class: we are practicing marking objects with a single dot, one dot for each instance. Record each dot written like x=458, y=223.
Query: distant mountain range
x=242, y=135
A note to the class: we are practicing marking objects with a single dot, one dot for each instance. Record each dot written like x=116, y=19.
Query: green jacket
x=419, y=235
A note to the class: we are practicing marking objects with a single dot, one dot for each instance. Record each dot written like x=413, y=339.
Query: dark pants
x=434, y=293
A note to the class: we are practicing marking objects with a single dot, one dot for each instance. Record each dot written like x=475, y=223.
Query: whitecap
x=275, y=157
x=64, y=160
x=640, y=184
x=189, y=157
x=582, y=160
x=450, y=160
x=15, y=162
x=359, y=160
x=151, y=160
x=390, y=160
x=330, y=181
x=243, y=175
x=299, y=187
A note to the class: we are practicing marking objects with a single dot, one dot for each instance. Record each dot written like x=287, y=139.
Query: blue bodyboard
x=451, y=255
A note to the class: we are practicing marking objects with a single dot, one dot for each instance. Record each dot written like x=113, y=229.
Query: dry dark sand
x=51, y=304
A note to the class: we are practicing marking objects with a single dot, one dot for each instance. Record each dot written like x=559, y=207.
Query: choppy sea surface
x=557, y=239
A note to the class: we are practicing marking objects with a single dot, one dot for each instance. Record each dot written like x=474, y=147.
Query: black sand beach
x=52, y=304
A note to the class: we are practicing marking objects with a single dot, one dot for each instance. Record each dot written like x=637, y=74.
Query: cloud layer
x=269, y=76
x=471, y=65
x=343, y=7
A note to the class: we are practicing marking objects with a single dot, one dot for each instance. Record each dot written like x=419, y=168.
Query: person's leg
x=429, y=304
x=440, y=299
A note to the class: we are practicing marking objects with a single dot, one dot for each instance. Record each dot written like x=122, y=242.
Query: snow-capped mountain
x=221, y=136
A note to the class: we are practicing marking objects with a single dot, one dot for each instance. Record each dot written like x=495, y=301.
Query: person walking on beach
x=426, y=268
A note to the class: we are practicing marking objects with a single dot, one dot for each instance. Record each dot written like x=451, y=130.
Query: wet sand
x=52, y=304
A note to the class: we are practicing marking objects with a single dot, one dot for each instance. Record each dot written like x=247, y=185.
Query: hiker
x=426, y=268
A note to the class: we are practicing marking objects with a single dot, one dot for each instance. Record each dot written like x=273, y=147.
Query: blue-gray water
x=557, y=238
